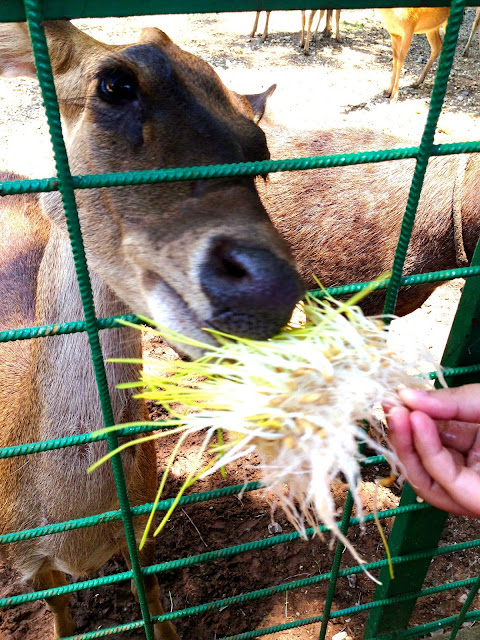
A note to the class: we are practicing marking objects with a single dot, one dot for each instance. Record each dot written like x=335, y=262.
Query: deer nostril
x=227, y=263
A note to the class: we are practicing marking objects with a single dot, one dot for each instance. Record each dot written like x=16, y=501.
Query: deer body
x=186, y=254
x=343, y=223
x=402, y=24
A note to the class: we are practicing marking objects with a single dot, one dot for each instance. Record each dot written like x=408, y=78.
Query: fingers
x=458, y=403
x=461, y=436
x=452, y=481
x=401, y=438
x=420, y=450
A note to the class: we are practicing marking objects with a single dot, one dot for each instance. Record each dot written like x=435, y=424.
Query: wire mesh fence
x=418, y=527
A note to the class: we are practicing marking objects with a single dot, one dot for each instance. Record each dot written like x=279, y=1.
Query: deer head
x=189, y=254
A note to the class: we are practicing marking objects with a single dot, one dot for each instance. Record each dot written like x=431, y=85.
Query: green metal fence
x=418, y=526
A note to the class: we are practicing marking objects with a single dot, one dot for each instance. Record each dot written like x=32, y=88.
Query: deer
x=255, y=25
x=305, y=42
x=475, y=27
x=188, y=254
x=343, y=223
x=402, y=24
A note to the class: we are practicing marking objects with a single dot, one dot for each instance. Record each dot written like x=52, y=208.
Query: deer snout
x=252, y=291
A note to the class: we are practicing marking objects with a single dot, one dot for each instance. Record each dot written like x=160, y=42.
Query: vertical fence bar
x=45, y=77
x=464, y=610
x=425, y=149
x=347, y=512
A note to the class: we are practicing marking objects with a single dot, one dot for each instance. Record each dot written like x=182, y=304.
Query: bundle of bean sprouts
x=299, y=400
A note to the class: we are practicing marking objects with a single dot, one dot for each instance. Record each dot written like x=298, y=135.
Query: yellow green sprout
x=298, y=400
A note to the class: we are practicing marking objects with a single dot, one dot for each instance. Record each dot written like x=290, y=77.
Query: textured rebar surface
x=425, y=149
x=96, y=181
x=65, y=183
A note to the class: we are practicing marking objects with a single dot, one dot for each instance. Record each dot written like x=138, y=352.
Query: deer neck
x=62, y=370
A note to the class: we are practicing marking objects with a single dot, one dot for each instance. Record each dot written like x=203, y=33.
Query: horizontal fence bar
x=164, y=505
x=252, y=595
x=227, y=552
x=405, y=281
x=62, y=328
x=394, y=635
x=151, y=176
x=65, y=328
x=262, y=593
x=12, y=10
x=414, y=632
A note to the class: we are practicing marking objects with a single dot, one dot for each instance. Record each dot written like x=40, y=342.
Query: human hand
x=436, y=436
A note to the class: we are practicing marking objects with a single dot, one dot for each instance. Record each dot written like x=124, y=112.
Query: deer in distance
x=402, y=24
x=306, y=36
x=475, y=27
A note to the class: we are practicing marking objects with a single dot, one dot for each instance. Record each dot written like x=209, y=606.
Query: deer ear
x=16, y=57
x=258, y=102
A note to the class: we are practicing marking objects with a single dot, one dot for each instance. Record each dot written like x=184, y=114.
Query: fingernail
x=411, y=395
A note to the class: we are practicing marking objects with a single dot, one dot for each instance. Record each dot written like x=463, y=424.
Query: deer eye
x=117, y=87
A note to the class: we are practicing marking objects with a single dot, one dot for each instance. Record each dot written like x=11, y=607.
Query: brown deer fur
x=190, y=254
x=343, y=223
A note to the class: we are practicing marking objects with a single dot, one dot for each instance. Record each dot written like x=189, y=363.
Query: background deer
x=475, y=26
x=189, y=254
x=305, y=42
x=343, y=223
x=402, y=23
x=255, y=25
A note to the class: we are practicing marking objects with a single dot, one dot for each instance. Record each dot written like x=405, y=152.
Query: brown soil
x=339, y=85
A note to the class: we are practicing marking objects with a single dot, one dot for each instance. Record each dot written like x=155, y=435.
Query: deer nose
x=251, y=290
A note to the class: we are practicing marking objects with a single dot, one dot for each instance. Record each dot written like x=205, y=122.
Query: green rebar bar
x=465, y=607
x=151, y=176
x=327, y=608
x=425, y=150
x=65, y=183
x=209, y=556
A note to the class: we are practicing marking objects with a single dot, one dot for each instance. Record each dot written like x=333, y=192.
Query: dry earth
x=338, y=85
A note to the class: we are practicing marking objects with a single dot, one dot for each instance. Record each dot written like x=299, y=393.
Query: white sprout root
x=300, y=399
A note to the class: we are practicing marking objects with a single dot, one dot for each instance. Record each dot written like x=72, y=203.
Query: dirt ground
x=338, y=85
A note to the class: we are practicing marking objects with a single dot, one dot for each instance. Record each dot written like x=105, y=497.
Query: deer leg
x=436, y=46
x=328, y=24
x=475, y=26
x=265, y=31
x=163, y=630
x=338, y=37
x=306, y=48
x=400, y=47
x=255, y=24
x=63, y=622
x=320, y=16
x=302, y=43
